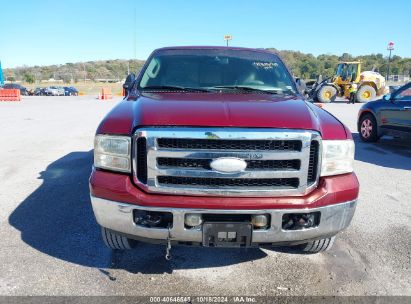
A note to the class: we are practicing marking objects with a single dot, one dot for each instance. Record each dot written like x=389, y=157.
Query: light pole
x=390, y=48
x=135, y=33
x=227, y=38
x=84, y=71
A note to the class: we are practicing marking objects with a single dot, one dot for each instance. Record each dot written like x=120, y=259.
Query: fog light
x=259, y=220
x=153, y=219
x=193, y=220
x=298, y=221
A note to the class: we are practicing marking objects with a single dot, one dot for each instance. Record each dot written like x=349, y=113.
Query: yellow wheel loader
x=370, y=84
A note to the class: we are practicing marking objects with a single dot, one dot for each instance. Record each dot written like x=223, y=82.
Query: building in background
x=399, y=78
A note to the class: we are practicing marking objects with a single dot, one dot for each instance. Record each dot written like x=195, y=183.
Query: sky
x=43, y=32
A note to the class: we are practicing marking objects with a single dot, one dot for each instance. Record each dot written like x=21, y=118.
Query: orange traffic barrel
x=105, y=94
x=10, y=95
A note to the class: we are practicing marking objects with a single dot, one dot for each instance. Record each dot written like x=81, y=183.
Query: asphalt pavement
x=50, y=242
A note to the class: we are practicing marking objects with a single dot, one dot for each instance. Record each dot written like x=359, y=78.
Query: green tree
x=29, y=78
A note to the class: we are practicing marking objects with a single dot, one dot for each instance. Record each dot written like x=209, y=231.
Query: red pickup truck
x=215, y=146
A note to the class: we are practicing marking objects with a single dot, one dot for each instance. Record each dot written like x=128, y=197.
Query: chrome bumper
x=119, y=217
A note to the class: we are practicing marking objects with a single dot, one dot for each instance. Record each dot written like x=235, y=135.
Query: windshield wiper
x=174, y=88
x=247, y=89
x=289, y=92
x=251, y=89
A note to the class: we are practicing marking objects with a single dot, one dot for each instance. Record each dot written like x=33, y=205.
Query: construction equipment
x=370, y=84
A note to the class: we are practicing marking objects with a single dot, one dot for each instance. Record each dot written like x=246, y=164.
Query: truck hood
x=219, y=110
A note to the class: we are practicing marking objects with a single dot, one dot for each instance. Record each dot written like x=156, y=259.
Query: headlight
x=112, y=152
x=337, y=157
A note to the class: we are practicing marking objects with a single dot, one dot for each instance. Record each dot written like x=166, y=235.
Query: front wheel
x=316, y=246
x=368, y=128
x=116, y=241
x=366, y=93
x=327, y=94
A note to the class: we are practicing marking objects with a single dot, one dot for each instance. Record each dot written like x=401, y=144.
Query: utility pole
x=135, y=33
x=390, y=48
x=85, y=73
x=134, y=40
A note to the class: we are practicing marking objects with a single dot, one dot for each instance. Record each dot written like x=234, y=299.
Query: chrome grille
x=176, y=160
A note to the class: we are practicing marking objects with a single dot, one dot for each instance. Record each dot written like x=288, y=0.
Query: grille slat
x=219, y=144
x=229, y=182
x=292, y=164
x=142, y=159
x=313, y=162
x=184, y=163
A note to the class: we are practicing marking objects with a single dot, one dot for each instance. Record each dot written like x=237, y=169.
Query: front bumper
x=120, y=188
x=118, y=217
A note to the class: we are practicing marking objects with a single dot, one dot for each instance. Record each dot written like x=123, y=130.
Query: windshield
x=347, y=70
x=216, y=69
x=340, y=69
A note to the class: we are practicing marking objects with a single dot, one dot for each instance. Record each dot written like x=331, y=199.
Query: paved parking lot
x=50, y=242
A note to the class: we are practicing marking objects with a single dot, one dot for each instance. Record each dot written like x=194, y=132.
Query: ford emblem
x=228, y=165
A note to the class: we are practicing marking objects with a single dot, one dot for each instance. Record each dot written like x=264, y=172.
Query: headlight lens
x=337, y=157
x=112, y=152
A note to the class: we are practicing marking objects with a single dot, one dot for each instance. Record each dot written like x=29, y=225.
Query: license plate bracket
x=223, y=234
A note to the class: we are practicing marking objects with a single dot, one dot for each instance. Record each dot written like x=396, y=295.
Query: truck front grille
x=176, y=160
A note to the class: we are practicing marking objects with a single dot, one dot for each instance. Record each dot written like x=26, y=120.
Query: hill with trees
x=103, y=70
x=306, y=66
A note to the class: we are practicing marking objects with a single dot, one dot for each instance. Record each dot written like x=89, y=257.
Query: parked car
x=390, y=115
x=215, y=146
x=39, y=92
x=61, y=91
x=393, y=88
x=23, y=90
x=70, y=91
x=54, y=91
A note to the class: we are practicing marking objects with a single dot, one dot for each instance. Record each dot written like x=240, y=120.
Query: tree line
x=306, y=66
x=111, y=70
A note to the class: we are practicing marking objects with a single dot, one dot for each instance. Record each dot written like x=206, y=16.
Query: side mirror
x=301, y=85
x=129, y=82
x=387, y=97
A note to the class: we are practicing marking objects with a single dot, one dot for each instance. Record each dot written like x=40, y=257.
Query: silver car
x=54, y=91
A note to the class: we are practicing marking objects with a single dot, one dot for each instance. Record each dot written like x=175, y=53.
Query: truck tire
x=317, y=246
x=327, y=94
x=368, y=128
x=366, y=93
x=116, y=241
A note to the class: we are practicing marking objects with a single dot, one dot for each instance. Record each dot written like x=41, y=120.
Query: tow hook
x=168, y=246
